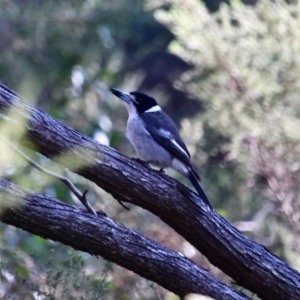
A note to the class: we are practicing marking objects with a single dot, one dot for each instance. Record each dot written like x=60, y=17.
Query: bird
x=156, y=139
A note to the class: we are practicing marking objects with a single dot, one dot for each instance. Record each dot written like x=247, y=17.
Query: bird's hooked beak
x=122, y=95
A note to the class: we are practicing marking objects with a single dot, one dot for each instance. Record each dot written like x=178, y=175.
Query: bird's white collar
x=153, y=109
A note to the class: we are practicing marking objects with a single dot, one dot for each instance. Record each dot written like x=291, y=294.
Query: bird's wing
x=169, y=137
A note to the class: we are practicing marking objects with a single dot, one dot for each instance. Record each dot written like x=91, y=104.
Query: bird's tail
x=194, y=177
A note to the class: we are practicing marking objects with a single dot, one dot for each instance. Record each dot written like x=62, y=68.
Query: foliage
x=65, y=283
x=246, y=65
x=240, y=117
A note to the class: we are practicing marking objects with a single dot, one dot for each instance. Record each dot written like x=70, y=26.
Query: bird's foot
x=161, y=170
x=101, y=213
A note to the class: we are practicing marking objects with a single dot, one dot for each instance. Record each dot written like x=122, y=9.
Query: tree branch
x=248, y=263
x=52, y=219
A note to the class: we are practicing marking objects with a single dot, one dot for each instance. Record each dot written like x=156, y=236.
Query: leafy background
x=226, y=72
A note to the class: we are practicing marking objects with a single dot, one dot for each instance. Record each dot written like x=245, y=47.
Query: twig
x=65, y=180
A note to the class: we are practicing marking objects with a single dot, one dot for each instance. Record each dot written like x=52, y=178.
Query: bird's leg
x=161, y=170
x=147, y=164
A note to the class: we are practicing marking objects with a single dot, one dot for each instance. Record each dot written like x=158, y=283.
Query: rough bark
x=52, y=219
x=248, y=263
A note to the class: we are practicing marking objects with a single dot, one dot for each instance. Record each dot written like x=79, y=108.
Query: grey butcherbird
x=155, y=137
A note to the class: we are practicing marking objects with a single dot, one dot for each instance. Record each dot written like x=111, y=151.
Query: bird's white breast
x=146, y=148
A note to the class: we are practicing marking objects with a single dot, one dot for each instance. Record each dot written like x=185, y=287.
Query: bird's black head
x=142, y=102
x=137, y=102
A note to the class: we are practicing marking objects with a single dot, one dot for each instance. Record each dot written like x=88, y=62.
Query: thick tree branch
x=52, y=219
x=248, y=263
